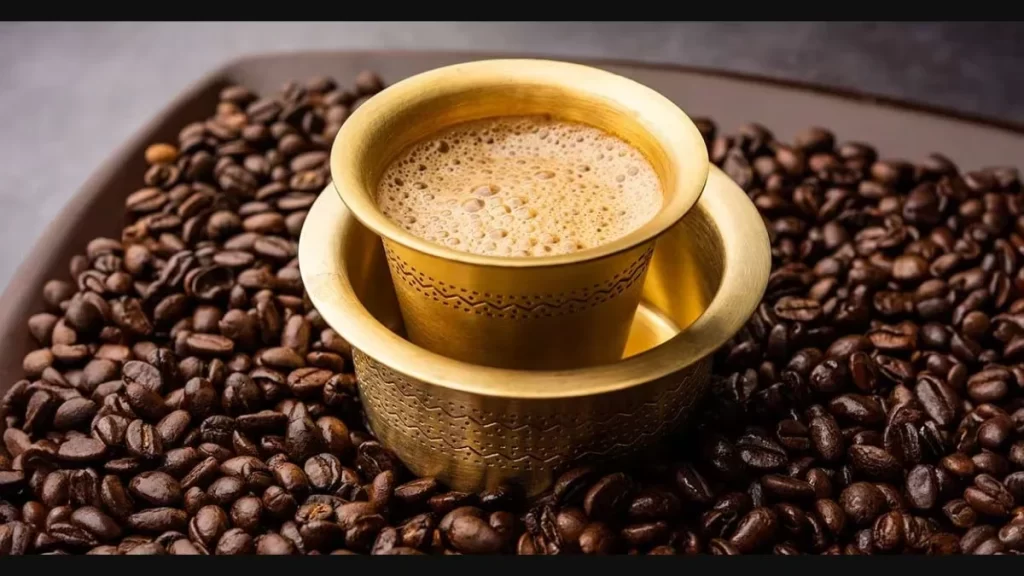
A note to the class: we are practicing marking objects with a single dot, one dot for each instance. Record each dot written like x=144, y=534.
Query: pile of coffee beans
x=186, y=398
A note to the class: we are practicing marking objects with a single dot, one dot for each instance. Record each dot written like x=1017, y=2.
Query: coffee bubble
x=525, y=213
x=472, y=205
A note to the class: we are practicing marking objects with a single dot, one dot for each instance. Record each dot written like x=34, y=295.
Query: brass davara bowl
x=472, y=426
x=543, y=313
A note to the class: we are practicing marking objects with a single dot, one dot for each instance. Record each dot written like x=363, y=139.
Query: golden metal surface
x=546, y=313
x=474, y=426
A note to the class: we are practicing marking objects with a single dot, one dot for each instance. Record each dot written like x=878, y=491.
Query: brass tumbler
x=544, y=313
x=474, y=427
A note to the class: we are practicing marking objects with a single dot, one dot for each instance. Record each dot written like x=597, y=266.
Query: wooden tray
x=898, y=130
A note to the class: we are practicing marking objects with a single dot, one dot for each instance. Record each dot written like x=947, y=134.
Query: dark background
x=71, y=92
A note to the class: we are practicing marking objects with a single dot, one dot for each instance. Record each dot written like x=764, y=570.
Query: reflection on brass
x=473, y=426
x=545, y=313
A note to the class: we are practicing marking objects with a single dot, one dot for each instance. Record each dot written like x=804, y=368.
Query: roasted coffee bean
x=99, y=525
x=302, y=439
x=862, y=502
x=142, y=440
x=183, y=547
x=208, y=525
x=471, y=534
x=655, y=504
x=372, y=458
x=156, y=488
x=225, y=490
x=273, y=544
x=761, y=453
x=74, y=414
x=115, y=497
x=246, y=513
x=826, y=436
x=235, y=542
x=922, y=487
x=609, y=497
x=157, y=520
x=874, y=462
x=787, y=488
x=989, y=497
x=959, y=513
x=755, y=530
x=598, y=539
x=81, y=450
x=416, y=491
x=279, y=503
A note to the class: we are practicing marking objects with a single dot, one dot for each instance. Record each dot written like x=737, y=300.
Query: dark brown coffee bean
x=71, y=536
x=235, y=542
x=246, y=513
x=874, y=462
x=145, y=402
x=857, y=409
x=959, y=513
x=209, y=345
x=143, y=374
x=273, y=544
x=416, y=532
x=598, y=539
x=922, y=487
x=609, y=497
x=761, y=453
x=81, y=450
x=903, y=441
x=156, y=488
x=84, y=487
x=826, y=437
x=182, y=547
x=208, y=525
x=416, y=491
x=225, y=490
x=251, y=470
x=888, y=533
x=862, y=502
x=372, y=459
x=157, y=520
x=989, y=497
x=381, y=490
x=279, y=503
x=142, y=440
x=75, y=414
x=832, y=515
x=787, y=488
x=99, y=525
x=115, y=497
x=755, y=530
x=644, y=535
x=653, y=505
x=471, y=534
x=302, y=439
x=147, y=549
x=201, y=474
x=1012, y=535
x=989, y=385
x=172, y=428
x=264, y=421
x=797, y=309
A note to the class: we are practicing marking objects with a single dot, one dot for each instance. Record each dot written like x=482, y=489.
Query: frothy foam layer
x=520, y=186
